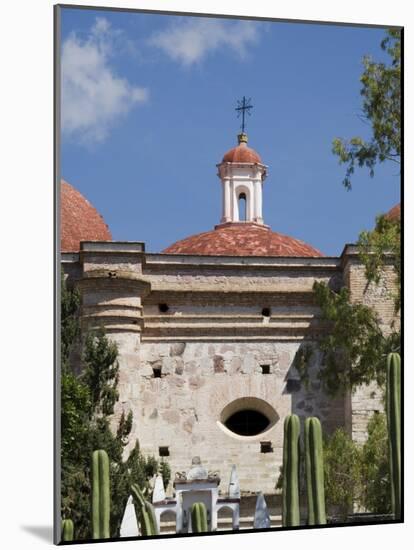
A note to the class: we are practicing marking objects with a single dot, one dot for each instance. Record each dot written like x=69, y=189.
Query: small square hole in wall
x=293, y=385
x=163, y=308
x=156, y=371
x=164, y=451
x=266, y=312
x=265, y=369
x=266, y=447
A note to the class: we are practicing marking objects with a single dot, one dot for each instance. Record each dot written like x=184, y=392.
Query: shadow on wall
x=308, y=398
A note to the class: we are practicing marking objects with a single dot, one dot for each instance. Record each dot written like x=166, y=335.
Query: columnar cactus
x=137, y=495
x=394, y=428
x=149, y=508
x=145, y=513
x=290, y=503
x=100, y=495
x=199, y=518
x=67, y=529
x=314, y=472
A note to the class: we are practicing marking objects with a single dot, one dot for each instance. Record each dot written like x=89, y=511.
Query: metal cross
x=243, y=106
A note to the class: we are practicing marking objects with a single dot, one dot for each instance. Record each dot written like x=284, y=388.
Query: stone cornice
x=351, y=253
x=183, y=261
x=112, y=246
x=69, y=257
x=115, y=279
x=238, y=295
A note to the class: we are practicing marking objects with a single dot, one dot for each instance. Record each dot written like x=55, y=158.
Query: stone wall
x=182, y=409
x=379, y=296
x=184, y=365
x=368, y=399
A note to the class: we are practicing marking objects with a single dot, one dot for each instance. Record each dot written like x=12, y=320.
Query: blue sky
x=148, y=111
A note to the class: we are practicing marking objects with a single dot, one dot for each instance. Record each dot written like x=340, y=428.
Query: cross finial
x=243, y=106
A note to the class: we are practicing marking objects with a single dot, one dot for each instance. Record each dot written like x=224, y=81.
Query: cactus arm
x=285, y=473
x=145, y=512
x=67, y=530
x=95, y=496
x=308, y=470
x=137, y=494
x=394, y=429
x=319, y=484
x=290, y=505
x=153, y=520
x=145, y=523
x=199, y=518
x=195, y=518
x=139, y=503
x=100, y=495
x=314, y=472
x=105, y=494
x=203, y=517
x=204, y=522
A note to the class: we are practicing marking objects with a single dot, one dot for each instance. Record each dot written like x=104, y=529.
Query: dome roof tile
x=242, y=239
x=80, y=221
x=394, y=213
x=242, y=153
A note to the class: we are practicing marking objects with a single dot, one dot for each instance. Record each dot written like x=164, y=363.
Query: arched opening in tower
x=247, y=422
x=242, y=207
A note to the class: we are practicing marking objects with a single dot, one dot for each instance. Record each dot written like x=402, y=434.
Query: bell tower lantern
x=242, y=175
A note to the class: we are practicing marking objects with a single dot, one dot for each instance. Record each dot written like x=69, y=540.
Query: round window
x=247, y=422
x=247, y=417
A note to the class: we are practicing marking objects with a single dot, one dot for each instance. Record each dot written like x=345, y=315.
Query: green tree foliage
x=75, y=404
x=358, y=475
x=375, y=470
x=69, y=306
x=381, y=92
x=342, y=472
x=381, y=107
x=379, y=246
x=100, y=373
x=75, y=397
x=87, y=406
x=353, y=345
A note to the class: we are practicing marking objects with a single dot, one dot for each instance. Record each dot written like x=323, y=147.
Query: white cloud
x=94, y=97
x=192, y=40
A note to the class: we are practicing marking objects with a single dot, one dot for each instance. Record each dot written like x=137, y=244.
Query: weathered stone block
x=218, y=362
x=177, y=349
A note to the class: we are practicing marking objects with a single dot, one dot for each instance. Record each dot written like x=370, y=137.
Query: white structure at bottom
x=197, y=486
x=129, y=525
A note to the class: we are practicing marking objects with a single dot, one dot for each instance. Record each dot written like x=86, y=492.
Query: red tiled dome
x=80, y=221
x=242, y=153
x=242, y=239
x=394, y=213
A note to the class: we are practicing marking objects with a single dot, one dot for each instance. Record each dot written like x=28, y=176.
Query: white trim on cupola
x=242, y=178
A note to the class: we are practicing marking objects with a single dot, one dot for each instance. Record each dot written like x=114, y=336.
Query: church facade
x=208, y=329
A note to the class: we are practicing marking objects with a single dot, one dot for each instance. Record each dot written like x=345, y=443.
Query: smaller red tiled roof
x=242, y=239
x=394, y=213
x=242, y=153
x=79, y=220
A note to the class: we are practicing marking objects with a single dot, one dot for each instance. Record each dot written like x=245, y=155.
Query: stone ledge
x=106, y=273
x=200, y=261
x=229, y=338
x=112, y=246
